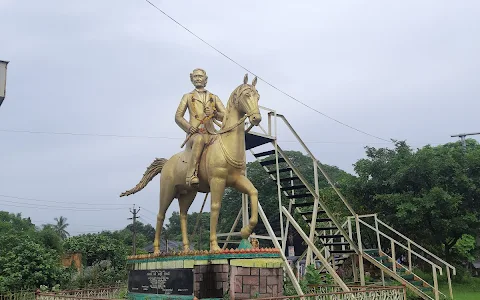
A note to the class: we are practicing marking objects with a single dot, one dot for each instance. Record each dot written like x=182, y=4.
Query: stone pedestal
x=241, y=274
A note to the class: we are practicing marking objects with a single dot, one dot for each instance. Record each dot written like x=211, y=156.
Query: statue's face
x=199, y=79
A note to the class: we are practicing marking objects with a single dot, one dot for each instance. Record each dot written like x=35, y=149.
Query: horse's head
x=245, y=97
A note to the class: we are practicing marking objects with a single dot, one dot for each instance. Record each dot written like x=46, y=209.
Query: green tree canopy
x=431, y=194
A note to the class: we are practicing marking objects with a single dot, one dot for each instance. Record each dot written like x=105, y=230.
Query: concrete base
x=215, y=276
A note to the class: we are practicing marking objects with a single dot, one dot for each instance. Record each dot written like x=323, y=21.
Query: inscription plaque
x=161, y=281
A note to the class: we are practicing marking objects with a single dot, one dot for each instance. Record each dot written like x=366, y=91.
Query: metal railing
x=411, y=248
x=356, y=292
x=20, y=295
x=98, y=293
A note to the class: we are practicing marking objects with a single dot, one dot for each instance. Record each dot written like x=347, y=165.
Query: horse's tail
x=153, y=170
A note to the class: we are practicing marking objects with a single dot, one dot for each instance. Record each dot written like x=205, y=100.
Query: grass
x=464, y=291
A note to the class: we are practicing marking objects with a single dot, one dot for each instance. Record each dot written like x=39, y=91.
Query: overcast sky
x=403, y=70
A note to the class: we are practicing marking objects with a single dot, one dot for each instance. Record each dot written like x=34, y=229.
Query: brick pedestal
x=245, y=279
x=237, y=275
x=252, y=282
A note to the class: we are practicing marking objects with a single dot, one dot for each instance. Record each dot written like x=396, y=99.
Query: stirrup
x=192, y=180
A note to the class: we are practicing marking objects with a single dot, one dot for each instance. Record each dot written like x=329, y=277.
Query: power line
x=40, y=206
x=62, y=202
x=268, y=83
x=173, y=138
x=28, y=205
x=89, y=134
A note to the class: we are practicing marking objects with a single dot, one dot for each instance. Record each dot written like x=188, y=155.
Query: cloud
x=405, y=70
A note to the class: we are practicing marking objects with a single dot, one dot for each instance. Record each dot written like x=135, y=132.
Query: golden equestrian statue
x=222, y=164
x=202, y=107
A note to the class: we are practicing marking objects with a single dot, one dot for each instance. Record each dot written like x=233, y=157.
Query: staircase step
x=387, y=264
x=326, y=228
x=296, y=196
x=381, y=258
x=371, y=252
x=302, y=204
x=293, y=187
x=289, y=178
x=320, y=220
x=407, y=277
x=266, y=153
x=280, y=171
x=272, y=161
x=416, y=283
x=330, y=236
x=342, y=251
x=310, y=212
x=335, y=244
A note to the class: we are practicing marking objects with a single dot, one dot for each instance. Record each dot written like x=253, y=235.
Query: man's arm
x=221, y=111
x=179, y=119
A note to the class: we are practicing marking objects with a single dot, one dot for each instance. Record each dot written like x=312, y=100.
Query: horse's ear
x=254, y=82
x=245, y=79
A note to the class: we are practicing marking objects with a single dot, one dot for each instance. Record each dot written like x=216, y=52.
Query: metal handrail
x=409, y=251
x=394, y=242
x=421, y=248
x=401, y=245
x=344, y=200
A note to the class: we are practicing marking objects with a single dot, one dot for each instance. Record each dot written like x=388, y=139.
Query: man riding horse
x=202, y=107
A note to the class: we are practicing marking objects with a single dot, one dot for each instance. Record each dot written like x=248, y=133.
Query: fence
x=98, y=293
x=356, y=292
x=22, y=295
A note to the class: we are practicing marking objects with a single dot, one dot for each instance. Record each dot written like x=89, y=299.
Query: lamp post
x=3, y=79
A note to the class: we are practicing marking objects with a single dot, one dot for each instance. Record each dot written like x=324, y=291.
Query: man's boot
x=192, y=178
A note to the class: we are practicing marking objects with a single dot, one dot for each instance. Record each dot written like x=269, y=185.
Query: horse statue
x=222, y=165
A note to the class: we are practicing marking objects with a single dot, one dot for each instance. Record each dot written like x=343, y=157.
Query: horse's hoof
x=215, y=248
x=245, y=233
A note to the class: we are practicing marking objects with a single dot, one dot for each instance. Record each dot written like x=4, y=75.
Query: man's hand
x=193, y=130
x=208, y=111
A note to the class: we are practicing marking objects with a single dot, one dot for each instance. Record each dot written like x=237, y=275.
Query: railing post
x=449, y=282
x=409, y=256
x=314, y=213
x=394, y=260
x=379, y=244
x=350, y=234
x=360, y=247
x=435, y=281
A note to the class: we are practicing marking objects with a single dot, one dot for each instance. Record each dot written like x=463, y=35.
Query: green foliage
x=465, y=247
x=434, y=189
x=28, y=257
x=98, y=247
x=99, y=274
x=200, y=240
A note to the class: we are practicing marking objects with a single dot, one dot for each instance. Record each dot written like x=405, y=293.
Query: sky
x=104, y=70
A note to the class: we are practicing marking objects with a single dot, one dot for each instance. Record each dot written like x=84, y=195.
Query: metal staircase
x=338, y=239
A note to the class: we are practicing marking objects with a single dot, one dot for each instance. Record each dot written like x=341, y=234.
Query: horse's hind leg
x=244, y=185
x=184, y=202
x=167, y=193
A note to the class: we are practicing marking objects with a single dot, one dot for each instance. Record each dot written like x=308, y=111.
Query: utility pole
x=462, y=138
x=134, y=218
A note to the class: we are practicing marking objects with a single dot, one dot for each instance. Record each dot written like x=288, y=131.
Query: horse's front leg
x=185, y=201
x=244, y=185
x=217, y=188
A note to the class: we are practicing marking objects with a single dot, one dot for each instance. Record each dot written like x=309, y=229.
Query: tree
x=61, y=227
x=98, y=247
x=430, y=194
x=28, y=257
